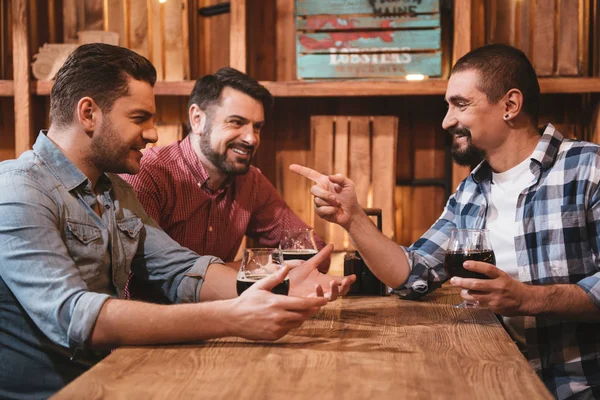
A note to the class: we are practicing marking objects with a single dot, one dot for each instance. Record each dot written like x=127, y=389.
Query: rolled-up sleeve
x=176, y=271
x=426, y=257
x=36, y=266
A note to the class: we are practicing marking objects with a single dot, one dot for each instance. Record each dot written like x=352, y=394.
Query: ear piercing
x=506, y=116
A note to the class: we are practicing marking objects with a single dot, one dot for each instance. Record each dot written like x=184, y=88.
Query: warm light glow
x=415, y=77
x=162, y=1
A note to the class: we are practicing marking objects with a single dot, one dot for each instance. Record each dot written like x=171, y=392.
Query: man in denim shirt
x=539, y=197
x=71, y=232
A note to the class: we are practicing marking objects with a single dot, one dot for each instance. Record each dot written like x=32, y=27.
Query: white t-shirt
x=505, y=190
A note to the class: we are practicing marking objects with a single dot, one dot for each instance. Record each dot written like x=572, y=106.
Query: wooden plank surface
x=383, y=181
x=359, y=157
x=339, y=7
x=338, y=236
x=237, y=35
x=213, y=44
x=568, y=43
x=174, y=50
x=113, y=21
x=137, y=20
x=355, y=348
x=371, y=41
x=22, y=97
x=395, y=65
x=322, y=140
x=502, y=22
x=285, y=46
x=543, y=37
x=325, y=23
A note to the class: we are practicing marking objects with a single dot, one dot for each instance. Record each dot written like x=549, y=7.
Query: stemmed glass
x=464, y=245
x=298, y=244
x=258, y=263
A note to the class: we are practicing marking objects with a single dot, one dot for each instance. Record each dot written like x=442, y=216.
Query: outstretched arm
x=335, y=201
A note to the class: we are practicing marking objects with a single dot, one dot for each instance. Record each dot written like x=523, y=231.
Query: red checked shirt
x=172, y=185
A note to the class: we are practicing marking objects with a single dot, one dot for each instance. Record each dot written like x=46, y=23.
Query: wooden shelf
x=7, y=88
x=346, y=88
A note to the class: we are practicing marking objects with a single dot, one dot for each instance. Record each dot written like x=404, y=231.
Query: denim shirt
x=60, y=261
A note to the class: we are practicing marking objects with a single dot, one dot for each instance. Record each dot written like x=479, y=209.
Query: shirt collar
x=543, y=156
x=60, y=166
x=197, y=168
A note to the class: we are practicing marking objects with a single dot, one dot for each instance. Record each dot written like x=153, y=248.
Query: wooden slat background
x=548, y=31
x=286, y=137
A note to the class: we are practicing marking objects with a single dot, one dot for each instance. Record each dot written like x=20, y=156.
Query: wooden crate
x=368, y=38
x=553, y=33
x=364, y=149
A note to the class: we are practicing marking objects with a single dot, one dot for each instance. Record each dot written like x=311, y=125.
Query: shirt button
x=84, y=238
x=210, y=229
x=107, y=206
x=199, y=184
x=130, y=232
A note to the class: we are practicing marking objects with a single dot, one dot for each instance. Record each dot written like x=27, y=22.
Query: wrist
x=225, y=311
x=534, y=299
x=356, y=221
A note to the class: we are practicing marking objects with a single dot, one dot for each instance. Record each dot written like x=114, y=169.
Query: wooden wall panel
x=7, y=128
x=260, y=43
x=322, y=146
x=568, y=43
x=384, y=136
x=286, y=40
x=360, y=158
x=79, y=15
x=22, y=97
x=213, y=41
x=544, y=37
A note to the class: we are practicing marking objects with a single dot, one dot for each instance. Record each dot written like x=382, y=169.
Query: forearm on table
x=126, y=322
x=384, y=257
x=569, y=302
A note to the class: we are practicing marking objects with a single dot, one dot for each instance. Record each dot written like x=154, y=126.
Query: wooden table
x=356, y=348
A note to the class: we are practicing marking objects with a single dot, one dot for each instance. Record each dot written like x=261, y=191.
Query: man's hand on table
x=306, y=280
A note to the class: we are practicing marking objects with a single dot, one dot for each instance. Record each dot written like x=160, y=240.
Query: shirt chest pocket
x=129, y=235
x=86, y=247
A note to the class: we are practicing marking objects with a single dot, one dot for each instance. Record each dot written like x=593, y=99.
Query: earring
x=506, y=116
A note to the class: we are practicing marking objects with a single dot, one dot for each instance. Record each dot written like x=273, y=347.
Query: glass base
x=467, y=304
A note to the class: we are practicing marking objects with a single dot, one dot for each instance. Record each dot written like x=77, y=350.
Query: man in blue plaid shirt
x=538, y=195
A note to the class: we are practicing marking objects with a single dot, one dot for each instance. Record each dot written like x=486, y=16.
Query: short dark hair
x=207, y=90
x=502, y=68
x=100, y=71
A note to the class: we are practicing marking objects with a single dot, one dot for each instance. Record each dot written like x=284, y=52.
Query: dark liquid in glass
x=453, y=263
x=302, y=254
x=244, y=283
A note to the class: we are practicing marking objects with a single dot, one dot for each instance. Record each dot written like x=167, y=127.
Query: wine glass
x=298, y=244
x=258, y=263
x=464, y=245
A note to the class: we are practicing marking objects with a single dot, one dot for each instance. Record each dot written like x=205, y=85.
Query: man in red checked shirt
x=202, y=190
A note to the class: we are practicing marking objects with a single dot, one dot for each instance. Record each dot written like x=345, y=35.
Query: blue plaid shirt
x=558, y=242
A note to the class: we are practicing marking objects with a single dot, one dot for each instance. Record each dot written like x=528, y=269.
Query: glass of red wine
x=464, y=245
x=258, y=263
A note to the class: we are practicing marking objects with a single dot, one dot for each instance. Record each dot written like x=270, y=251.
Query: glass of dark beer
x=464, y=245
x=298, y=244
x=258, y=264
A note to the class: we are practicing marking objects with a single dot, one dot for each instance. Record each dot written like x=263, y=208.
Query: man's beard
x=220, y=161
x=468, y=156
x=108, y=152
